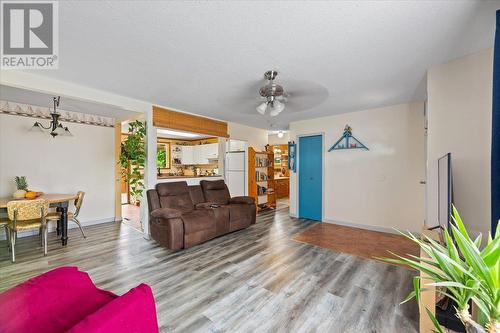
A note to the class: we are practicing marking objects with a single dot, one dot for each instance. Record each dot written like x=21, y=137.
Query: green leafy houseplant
x=161, y=159
x=133, y=157
x=463, y=271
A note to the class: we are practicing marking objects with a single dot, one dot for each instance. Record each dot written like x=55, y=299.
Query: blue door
x=311, y=177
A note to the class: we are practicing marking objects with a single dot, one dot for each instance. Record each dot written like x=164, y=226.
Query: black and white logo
x=29, y=35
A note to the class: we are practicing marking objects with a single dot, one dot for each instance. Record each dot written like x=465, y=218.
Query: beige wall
x=377, y=189
x=459, y=120
x=255, y=137
x=61, y=165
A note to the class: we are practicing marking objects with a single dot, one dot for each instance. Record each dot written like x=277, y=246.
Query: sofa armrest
x=135, y=311
x=242, y=200
x=168, y=232
x=166, y=213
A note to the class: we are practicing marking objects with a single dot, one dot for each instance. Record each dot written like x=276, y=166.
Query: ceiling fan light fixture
x=262, y=108
x=280, y=134
x=276, y=108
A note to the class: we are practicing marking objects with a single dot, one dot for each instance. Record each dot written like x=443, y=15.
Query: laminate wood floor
x=364, y=243
x=253, y=280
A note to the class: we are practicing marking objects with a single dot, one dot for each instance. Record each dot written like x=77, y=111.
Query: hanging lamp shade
x=67, y=132
x=37, y=127
x=59, y=130
x=262, y=108
x=276, y=108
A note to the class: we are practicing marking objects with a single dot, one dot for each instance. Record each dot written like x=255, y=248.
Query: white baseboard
x=52, y=227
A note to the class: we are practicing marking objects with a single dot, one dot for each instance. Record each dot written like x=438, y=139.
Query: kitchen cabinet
x=212, y=150
x=282, y=187
x=199, y=154
x=187, y=154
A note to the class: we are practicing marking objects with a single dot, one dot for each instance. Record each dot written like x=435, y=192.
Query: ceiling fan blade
x=234, y=95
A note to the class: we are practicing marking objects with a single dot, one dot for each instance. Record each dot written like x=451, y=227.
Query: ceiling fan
x=274, y=95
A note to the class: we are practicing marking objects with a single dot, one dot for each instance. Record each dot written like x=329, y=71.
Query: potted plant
x=133, y=157
x=461, y=271
x=161, y=160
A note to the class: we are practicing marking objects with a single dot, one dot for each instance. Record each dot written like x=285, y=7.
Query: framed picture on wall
x=292, y=150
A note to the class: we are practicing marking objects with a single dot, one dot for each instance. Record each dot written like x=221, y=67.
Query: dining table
x=57, y=200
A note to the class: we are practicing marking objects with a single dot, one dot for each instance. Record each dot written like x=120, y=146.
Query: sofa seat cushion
x=52, y=302
x=198, y=220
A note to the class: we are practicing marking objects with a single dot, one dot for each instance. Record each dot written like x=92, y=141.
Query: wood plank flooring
x=364, y=243
x=253, y=280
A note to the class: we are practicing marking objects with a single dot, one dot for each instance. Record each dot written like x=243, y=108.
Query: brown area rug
x=359, y=242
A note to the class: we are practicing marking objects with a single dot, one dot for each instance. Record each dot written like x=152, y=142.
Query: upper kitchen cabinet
x=187, y=155
x=211, y=151
x=200, y=154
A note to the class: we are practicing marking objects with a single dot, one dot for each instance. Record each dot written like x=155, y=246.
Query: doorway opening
x=130, y=205
x=281, y=175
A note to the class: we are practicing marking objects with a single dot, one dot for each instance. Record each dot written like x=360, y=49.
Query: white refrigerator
x=235, y=172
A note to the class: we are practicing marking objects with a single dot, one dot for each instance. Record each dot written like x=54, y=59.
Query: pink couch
x=66, y=300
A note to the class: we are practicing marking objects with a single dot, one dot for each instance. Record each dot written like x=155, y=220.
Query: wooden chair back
x=79, y=202
x=21, y=210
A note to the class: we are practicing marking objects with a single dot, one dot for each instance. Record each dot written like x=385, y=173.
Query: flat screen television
x=445, y=191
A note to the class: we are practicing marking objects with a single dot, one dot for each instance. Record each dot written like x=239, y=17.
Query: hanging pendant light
x=55, y=127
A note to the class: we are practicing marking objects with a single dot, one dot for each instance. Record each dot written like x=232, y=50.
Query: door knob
x=423, y=182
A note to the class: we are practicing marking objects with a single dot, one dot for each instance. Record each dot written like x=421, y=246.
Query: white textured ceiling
x=209, y=57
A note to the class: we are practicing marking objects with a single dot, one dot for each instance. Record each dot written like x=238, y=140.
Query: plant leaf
x=434, y=321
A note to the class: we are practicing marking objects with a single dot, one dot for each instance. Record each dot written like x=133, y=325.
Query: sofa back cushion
x=175, y=195
x=153, y=200
x=196, y=194
x=215, y=191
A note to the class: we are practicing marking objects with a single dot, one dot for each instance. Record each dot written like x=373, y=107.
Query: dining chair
x=26, y=215
x=72, y=216
x=4, y=222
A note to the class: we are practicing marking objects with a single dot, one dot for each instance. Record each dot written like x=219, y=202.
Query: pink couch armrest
x=135, y=311
x=52, y=302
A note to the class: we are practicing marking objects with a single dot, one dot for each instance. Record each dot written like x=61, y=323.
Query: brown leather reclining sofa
x=182, y=216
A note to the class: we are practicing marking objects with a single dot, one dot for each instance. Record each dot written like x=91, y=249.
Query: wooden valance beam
x=187, y=122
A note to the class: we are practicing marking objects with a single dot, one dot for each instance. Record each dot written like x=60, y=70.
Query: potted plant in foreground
x=463, y=272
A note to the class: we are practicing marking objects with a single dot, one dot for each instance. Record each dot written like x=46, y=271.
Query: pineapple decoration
x=22, y=187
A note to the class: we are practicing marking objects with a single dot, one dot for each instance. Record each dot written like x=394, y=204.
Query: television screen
x=445, y=190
